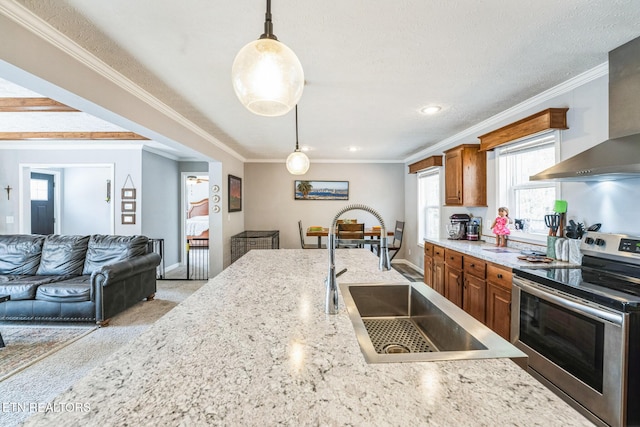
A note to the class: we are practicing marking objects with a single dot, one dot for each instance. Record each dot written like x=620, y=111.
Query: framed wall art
x=128, y=206
x=128, y=193
x=235, y=194
x=321, y=190
x=128, y=219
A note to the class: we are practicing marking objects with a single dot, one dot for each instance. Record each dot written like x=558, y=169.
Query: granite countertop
x=492, y=253
x=254, y=347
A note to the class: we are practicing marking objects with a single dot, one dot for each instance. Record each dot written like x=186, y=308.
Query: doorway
x=42, y=203
x=195, y=229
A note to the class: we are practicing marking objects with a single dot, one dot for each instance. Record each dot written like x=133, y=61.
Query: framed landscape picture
x=321, y=190
x=235, y=194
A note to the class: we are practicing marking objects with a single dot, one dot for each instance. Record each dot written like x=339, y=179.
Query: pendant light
x=297, y=162
x=267, y=76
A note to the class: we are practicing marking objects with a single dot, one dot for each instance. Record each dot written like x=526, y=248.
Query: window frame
x=435, y=174
x=505, y=193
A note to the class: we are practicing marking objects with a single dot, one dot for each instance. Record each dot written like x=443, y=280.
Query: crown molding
x=481, y=128
x=323, y=161
x=34, y=24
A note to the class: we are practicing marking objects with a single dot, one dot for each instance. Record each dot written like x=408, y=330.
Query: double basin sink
x=410, y=322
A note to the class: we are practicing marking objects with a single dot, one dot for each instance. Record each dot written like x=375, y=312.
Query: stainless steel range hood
x=619, y=156
x=613, y=159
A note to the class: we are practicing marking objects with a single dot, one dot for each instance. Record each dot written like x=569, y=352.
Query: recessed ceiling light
x=431, y=109
x=353, y=149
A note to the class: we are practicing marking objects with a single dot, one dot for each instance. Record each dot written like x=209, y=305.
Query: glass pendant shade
x=297, y=163
x=267, y=77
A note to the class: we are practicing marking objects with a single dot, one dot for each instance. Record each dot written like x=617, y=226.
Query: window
x=528, y=201
x=39, y=189
x=428, y=205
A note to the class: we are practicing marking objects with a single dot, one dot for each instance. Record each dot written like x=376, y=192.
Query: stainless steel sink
x=410, y=322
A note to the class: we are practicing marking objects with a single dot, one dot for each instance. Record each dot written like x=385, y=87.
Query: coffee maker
x=458, y=228
x=473, y=228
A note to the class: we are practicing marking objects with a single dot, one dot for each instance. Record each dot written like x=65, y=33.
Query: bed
x=198, y=220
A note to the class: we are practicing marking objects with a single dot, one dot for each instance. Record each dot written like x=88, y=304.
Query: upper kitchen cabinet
x=465, y=176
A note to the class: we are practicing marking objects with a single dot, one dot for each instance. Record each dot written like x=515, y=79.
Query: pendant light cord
x=297, y=149
x=268, y=25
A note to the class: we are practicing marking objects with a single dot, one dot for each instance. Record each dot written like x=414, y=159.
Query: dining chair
x=307, y=245
x=350, y=231
x=395, y=245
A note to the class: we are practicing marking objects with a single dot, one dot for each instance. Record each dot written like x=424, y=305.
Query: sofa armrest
x=116, y=287
x=124, y=269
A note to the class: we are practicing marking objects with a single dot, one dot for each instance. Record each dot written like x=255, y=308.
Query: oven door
x=576, y=346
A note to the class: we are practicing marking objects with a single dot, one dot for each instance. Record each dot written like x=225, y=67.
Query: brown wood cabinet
x=465, y=175
x=498, y=310
x=480, y=288
x=428, y=264
x=475, y=287
x=438, y=269
x=453, y=276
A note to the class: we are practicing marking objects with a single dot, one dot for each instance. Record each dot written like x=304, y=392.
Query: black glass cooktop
x=609, y=283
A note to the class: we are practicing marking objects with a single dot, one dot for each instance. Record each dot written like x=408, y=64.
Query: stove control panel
x=629, y=245
x=606, y=244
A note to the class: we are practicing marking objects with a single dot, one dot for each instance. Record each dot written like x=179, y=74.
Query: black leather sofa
x=74, y=278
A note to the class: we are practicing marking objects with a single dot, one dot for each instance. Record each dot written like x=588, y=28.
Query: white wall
x=125, y=161
x=159, y=204
x=614, y=204
x=269, y=197
x=85, y=209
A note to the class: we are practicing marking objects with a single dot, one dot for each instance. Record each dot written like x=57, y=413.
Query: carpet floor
x=25, y=345
x=33, y=387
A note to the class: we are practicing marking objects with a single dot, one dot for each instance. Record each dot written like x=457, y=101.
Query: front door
x=42, y=219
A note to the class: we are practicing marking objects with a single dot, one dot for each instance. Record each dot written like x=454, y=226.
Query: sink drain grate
x=395, y=334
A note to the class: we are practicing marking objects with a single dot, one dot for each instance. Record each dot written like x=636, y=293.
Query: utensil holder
x=575, y=256
x=551, y=246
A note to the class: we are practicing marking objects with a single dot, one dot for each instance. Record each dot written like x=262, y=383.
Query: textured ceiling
x=369, y=65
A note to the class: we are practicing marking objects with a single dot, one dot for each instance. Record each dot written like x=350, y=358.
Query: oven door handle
x=566, y=302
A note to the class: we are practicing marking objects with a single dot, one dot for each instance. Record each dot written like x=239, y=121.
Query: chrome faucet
x=331, y=297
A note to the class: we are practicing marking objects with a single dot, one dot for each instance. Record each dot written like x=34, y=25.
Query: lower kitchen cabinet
x=438, y=269
x=453, y=276
x=438, y=275
x=474, y=292
x=480, y=288
x=474, y=296
x=428, y=264
x=498, y=313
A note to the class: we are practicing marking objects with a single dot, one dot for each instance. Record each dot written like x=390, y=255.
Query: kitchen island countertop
x=254, y=347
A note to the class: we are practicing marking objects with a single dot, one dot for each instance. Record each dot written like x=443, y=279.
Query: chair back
x=351, y=231
x=399, y=231
x=301, y=234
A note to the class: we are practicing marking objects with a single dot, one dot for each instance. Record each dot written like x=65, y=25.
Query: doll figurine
x=500, y=226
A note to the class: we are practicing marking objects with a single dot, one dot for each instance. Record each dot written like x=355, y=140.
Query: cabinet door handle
x=499, y=276
x=473, y=266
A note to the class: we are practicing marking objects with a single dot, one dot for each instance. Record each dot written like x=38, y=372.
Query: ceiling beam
x=29, y=105
x=13, y=136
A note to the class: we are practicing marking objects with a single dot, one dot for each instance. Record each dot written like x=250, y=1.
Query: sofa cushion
x=22, y=287
x=76, y=289
x=20, y=254
x=103, y=250
x=63, y=255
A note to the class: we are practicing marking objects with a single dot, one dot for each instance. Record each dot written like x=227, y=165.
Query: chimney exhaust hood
x=619, y=156
x=613, y=159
